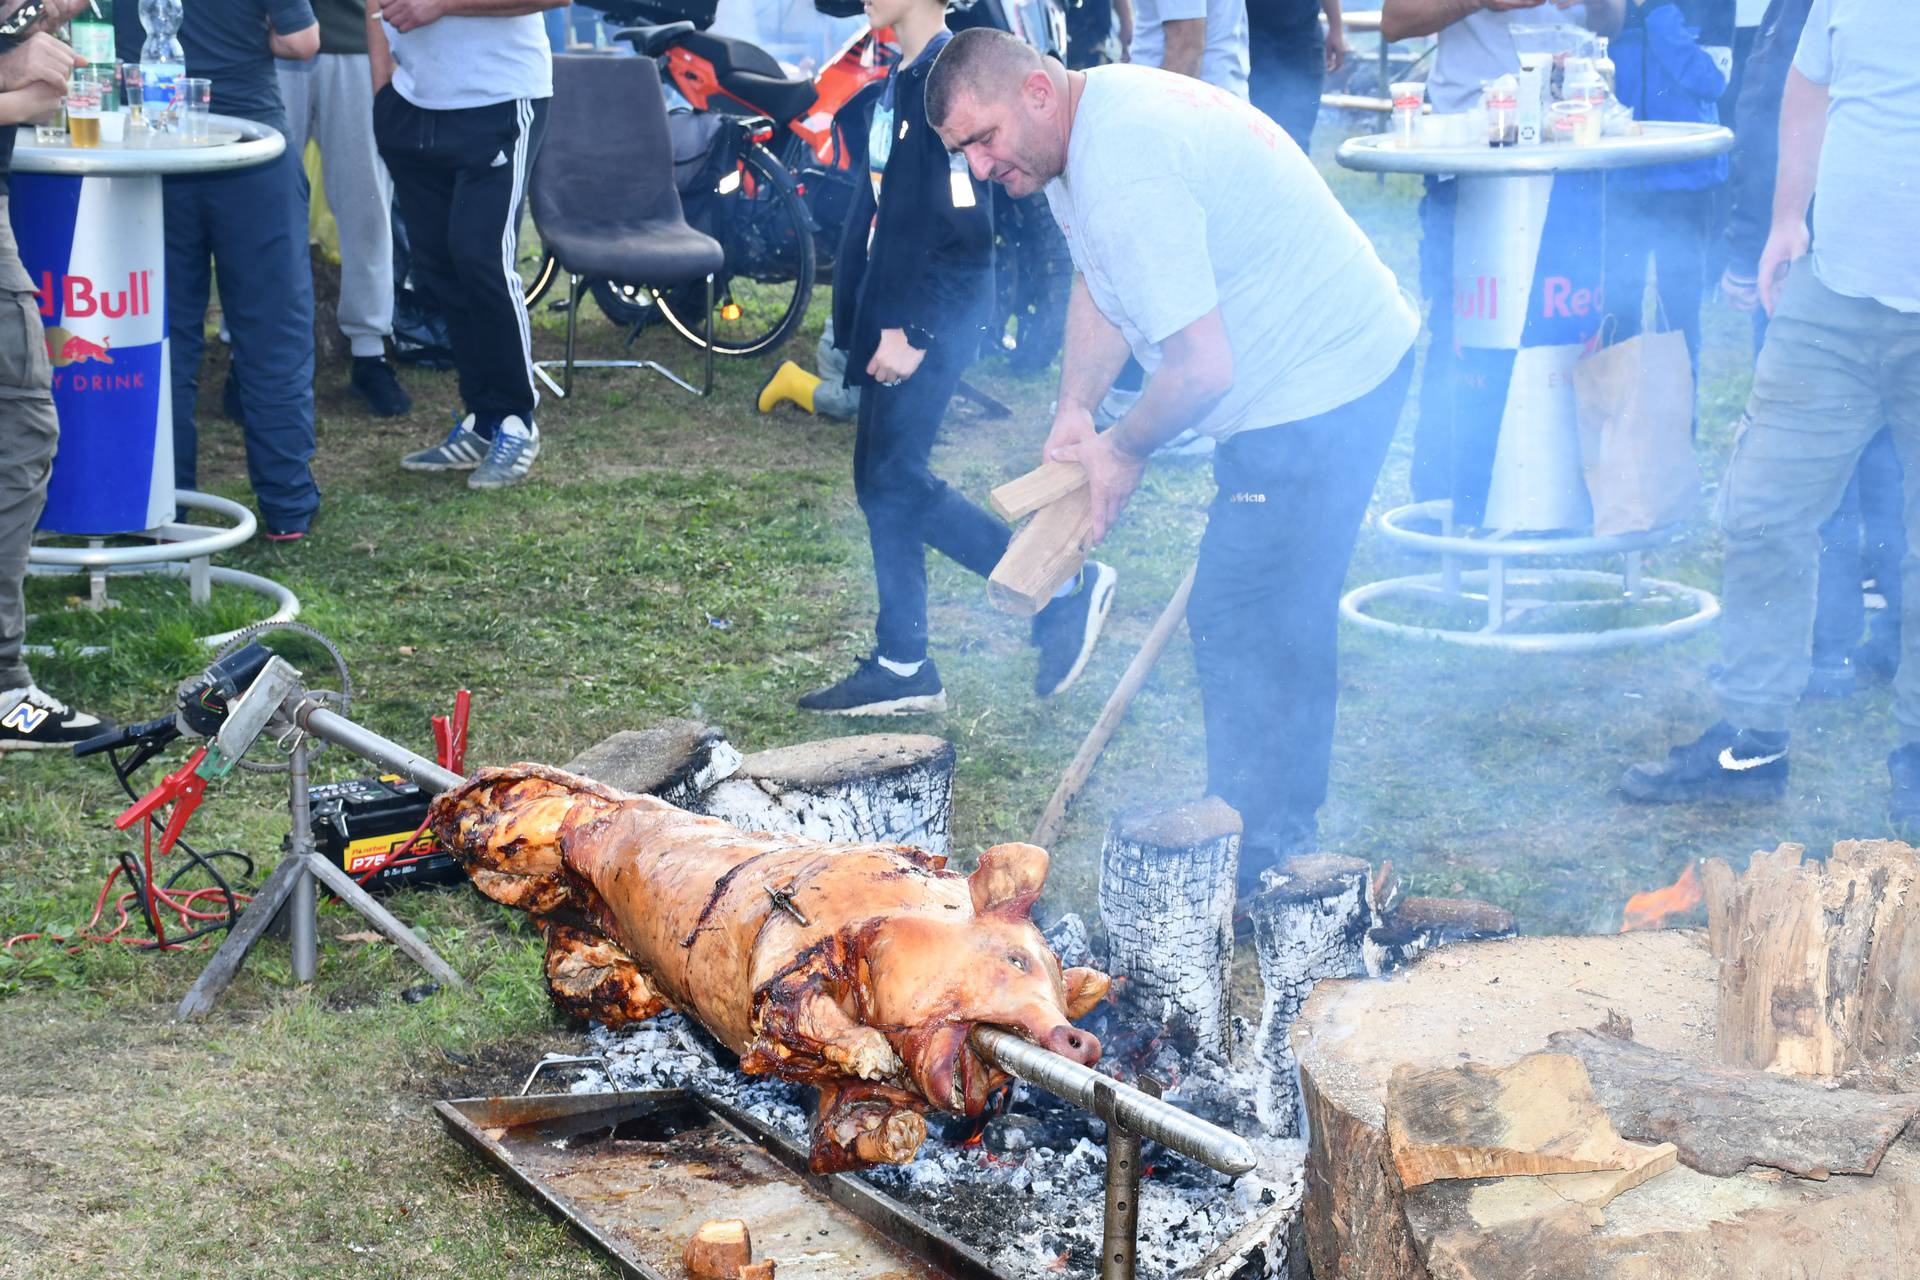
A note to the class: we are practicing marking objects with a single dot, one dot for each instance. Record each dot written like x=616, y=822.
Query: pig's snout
x=1069, y=1041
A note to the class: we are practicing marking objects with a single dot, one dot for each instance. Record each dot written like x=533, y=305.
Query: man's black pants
x=1265, y=608
x=908, y=508
x=459, y=178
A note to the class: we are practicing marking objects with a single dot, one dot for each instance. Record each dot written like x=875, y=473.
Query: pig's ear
x=1008, y=880
x=1085, y=989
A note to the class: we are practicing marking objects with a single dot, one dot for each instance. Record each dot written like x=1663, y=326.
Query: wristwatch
x=919, y=339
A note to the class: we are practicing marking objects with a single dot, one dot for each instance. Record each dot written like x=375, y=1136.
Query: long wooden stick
x=1055, y=814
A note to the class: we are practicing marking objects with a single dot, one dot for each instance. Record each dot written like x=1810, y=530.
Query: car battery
x=362, y=825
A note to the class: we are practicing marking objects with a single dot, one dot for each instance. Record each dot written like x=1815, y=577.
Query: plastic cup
x=1573, y=123
x=1409, y=100
x=83, y=108
x=196, y=105
x=130, y=93
x=113, y=126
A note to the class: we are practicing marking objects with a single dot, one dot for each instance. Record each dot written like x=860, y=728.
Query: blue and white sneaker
x=462, y=450
x=515, y=445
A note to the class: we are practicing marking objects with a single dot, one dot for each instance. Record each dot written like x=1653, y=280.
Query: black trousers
x=459, y=178
x=1265, y=608
x=908, y=508
x=1288, y=71
x=1670, y=229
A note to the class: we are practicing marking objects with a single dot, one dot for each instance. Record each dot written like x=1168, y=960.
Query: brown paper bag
x=1635, y=405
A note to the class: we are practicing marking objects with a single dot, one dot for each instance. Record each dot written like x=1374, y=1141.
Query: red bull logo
x=78, y=297
x=77, y=349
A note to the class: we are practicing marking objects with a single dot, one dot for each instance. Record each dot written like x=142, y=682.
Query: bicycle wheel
x=761, y=294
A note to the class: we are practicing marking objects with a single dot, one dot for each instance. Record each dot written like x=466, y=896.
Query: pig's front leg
x=589, y=976
x=864, y=1124
x=803, y=1033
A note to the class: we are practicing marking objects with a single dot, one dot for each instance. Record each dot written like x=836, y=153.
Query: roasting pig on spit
x=858, y=968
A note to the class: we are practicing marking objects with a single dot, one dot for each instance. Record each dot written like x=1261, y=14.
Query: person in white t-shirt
x=1210, y=250
x=460, y=104
x=1205, y=39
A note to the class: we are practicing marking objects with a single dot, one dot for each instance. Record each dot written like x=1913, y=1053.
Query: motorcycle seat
x=651, y=42
x=750, y=75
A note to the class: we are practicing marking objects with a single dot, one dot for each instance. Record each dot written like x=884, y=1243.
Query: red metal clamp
x=183, y=789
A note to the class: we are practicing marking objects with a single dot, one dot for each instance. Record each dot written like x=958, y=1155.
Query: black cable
x=136, y=876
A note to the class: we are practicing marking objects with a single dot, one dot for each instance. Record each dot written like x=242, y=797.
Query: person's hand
x=1112, y=476
x=1337, y=47
x=1071, y=426
x=1739, y=291
x=38, y=61
x=410, y=15
x=1786, y=243
x=895, y=359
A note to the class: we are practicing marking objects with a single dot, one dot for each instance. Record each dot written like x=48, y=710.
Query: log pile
x=1737, y=1103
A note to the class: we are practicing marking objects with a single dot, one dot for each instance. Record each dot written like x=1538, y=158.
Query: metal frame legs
x=564, y=388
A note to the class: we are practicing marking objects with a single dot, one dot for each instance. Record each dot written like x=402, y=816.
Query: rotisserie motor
x=858, y=968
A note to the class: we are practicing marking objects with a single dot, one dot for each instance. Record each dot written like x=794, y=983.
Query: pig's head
x=927, y=982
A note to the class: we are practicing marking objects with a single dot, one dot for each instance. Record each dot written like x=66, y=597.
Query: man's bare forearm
x=1171, y=402
x=1184, y=46
x=1405, y=19
x=379, y=52
x=1093, y=355
x=1803, y=131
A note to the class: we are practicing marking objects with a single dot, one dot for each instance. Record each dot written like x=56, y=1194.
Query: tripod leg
x=232, y=954
x=385, y=921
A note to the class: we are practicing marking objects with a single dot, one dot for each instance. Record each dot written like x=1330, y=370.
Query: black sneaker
x=32, y=719
x=1903, y=767
x=373, y=379
x=1065, y=630
x=1724, y=763
x=872, y=690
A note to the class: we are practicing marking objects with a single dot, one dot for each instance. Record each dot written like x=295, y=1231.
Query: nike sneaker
x=1724, y=763
x=872, y=690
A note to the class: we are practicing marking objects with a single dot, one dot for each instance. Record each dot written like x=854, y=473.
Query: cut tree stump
x=1819, y=964
x=1166, y=898
x=1494, y=1003
x=881, y=788
x=676, y=760
x=1308, y=925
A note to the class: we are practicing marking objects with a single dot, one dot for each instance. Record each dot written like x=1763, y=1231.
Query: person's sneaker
x=1066, y=629
x=1830, y=682
x=515, y=445
x=284, y=536
x=31, y=719
x=872, y=690
x=1903, y=807
x=462, y=450
x=373, y=379
x=1724, y=763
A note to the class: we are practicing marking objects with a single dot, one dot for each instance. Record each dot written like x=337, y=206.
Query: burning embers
x=1651, y=910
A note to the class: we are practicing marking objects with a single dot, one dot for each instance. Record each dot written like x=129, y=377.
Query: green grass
x=673, y=556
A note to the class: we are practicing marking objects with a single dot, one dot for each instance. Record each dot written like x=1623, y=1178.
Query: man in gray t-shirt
x=1210, y=250
x=1842, y=358
x=1205, y=39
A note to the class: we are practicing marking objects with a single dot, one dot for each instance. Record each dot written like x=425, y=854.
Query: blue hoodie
x=1662, y=72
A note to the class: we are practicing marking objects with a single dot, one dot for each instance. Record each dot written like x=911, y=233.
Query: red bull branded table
x=1528, y=301
x=91, y=231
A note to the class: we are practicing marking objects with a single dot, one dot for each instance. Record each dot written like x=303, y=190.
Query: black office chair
x=604, y=200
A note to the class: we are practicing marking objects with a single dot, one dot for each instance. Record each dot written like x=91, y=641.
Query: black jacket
x=931, y=265
x=1756, y=130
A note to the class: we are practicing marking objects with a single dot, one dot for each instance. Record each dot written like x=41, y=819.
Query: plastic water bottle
x=162, y=62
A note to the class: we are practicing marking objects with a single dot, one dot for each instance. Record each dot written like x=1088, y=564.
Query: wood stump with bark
x=1496, y=1003
x=1166, y=899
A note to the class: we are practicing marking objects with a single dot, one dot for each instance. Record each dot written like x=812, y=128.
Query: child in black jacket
x=912, y=283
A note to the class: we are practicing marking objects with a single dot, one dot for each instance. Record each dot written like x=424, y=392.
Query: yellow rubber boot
x=789, y=382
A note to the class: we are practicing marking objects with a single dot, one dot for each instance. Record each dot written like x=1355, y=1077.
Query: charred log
x=1166, y=900
x=882, y=788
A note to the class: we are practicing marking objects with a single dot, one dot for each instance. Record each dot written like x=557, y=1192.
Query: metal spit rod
x=1113, y=1102
x=1116, y=1103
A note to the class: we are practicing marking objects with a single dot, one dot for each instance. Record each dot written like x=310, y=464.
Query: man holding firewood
x=1211, y=251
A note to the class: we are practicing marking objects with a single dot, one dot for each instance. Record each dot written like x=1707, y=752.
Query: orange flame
x=1650, y=910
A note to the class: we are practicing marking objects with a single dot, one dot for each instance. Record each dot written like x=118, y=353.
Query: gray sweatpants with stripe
x=28, y=433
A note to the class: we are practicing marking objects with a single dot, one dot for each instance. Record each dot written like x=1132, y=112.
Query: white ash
x=1034, y=1189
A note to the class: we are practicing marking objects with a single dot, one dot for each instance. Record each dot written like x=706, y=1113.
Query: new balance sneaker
x=872, y=690
x=1066, y=629
x=515, y=445
x=375, y=383
x=1724, y=763
x=462, y=450
x=31, y=719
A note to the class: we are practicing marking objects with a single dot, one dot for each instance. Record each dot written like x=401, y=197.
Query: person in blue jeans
x=1663, y=213
x=250, y=225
